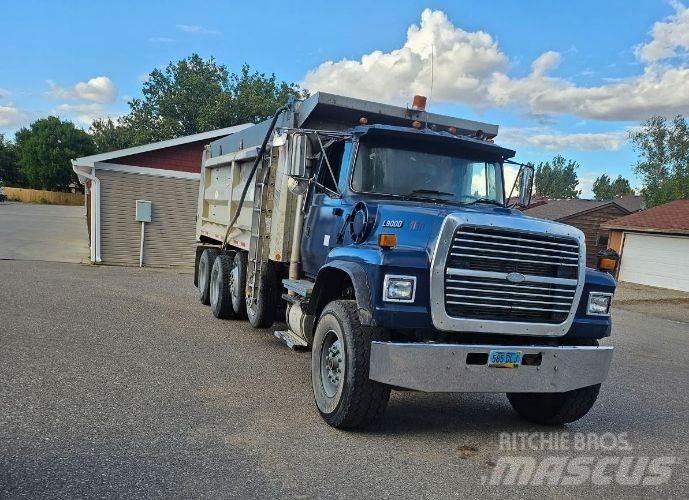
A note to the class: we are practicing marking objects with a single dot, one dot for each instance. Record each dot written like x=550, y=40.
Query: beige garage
x=654, y=246
x=656, y=260
x=164, y=173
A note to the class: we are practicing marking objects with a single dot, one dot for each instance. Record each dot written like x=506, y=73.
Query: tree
x=557, y=179
x=108, y=135
x=9, y=168
x=604, y=189
x=663, y=165
x=190, y=96
x=44, y=151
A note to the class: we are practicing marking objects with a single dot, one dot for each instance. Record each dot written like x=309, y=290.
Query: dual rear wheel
x=222, y=285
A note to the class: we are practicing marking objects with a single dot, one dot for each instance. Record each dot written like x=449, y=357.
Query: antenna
x=430, y=96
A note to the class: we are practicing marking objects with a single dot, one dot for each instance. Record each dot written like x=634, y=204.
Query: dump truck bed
x=228, y=162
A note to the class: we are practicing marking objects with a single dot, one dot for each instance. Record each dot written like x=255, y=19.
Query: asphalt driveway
x=43, y=232
x=116, y=382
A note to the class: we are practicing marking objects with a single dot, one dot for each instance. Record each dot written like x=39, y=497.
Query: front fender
x=359, y=279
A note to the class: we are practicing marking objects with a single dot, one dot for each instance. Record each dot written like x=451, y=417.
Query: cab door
x=326, y=213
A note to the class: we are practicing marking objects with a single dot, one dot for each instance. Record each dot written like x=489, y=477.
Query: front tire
x=554, y=408
x=345, y=396
x=206, y=261
x=220, y=283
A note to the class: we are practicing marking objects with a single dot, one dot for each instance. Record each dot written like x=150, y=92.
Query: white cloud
x=196, y=30
x=99, y=89
x=471, y=69
x=659, y=90
x=84, y=113
x=548, y=140
x=11, y=116
x=669, y=38
x=463, y=61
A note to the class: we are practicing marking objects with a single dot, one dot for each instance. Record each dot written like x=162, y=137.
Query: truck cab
x=409, y=270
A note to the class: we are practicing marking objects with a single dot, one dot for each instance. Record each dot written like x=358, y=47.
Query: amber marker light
x=387, y=241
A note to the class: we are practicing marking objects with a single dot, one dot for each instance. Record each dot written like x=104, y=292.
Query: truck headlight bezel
x=596, y=300
x=395, y=280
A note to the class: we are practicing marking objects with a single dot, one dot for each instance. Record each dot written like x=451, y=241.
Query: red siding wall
x=184, y=158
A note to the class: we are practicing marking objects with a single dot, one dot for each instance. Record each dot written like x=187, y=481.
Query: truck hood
x=417, y=225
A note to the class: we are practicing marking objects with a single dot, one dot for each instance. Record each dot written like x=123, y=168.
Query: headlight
x=399, y=288
x=599, y=304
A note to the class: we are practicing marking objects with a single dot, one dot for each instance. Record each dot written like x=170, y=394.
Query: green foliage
x=190, y=96
x=10, y=175
x=663, y=148
x=605, y=189
x=557, y=179
x=45, y=149
x=109, y=135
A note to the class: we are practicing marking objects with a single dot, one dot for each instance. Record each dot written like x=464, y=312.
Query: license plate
x=504, y=359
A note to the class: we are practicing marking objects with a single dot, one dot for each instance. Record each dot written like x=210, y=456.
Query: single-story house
x=653, y=245
x=166, y=174
x=586, y=215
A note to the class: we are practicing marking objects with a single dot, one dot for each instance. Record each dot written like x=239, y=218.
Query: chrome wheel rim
x=203, y=272
x=332, y=365
x=234, y=280
x=216, y=284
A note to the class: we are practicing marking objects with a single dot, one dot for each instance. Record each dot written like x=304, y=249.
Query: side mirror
x=526, y=175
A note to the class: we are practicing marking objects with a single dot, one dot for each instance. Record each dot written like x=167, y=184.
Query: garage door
x=169, y=237
x=656, y=260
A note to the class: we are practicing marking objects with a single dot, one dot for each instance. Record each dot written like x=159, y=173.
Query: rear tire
x=345, y=396
x=261, y=313
x=206, y=261
x=220, y=296
x=238, y=288
x=554, y=408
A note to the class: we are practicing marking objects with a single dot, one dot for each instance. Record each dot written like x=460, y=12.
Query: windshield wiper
x=486, y=200
x=429, y=191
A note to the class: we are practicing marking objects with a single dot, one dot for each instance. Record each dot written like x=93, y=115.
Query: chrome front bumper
x=444, y=368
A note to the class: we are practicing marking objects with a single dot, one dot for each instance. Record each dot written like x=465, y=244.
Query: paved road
x=115, y=382
x=43, y=232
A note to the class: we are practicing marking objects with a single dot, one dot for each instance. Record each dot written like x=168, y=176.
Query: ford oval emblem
x=515, y=277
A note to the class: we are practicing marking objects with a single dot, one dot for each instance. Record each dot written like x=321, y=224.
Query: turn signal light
x=452, y=130
x=363, y=120
x=387, y=240
x=416, y=124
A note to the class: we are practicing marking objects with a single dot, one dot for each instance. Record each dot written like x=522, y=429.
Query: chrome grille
x=480, y=259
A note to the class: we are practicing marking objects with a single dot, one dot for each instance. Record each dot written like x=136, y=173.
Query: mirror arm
x=522, y=166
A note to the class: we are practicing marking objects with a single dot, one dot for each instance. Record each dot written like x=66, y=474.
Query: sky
x=570, y=78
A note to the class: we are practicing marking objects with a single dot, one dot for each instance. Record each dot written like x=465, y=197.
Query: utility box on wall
x=143, y=211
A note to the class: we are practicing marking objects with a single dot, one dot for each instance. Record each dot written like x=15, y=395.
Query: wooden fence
x=47, y=197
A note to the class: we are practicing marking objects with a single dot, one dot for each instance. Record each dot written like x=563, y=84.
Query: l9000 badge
x=393, y=223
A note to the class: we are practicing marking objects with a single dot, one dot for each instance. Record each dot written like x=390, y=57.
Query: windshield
x=422, y=173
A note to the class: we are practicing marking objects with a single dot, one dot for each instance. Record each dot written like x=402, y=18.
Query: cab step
x=300, y=287
x=293, y=342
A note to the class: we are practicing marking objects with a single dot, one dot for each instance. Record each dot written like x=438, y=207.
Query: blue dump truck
x=382, y=239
